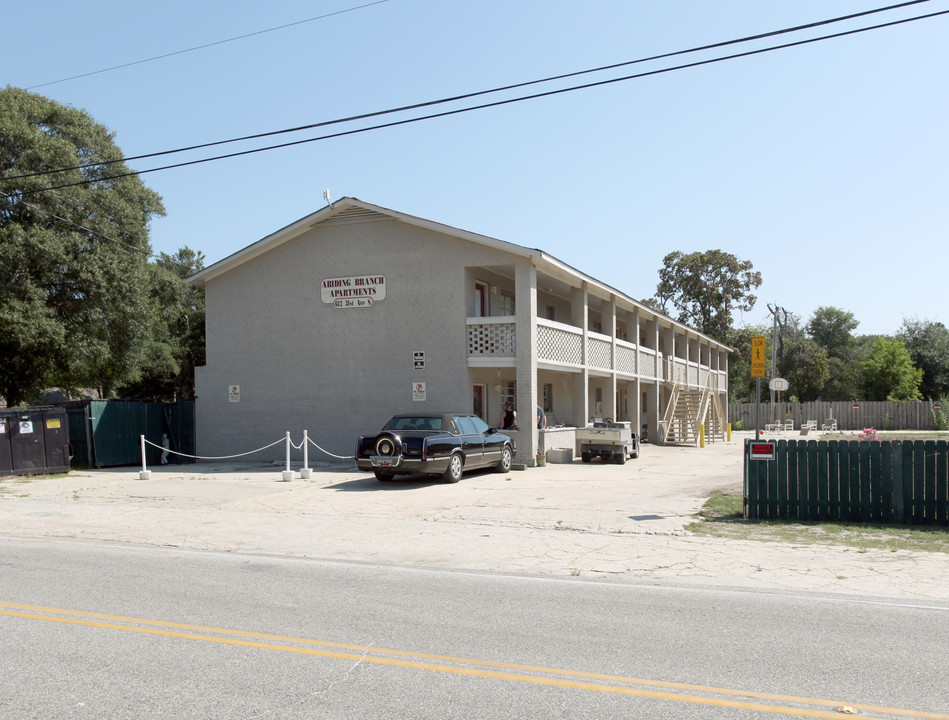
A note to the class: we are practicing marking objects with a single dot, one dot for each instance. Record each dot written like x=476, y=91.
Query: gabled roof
x=350, y=209
x=346, y=210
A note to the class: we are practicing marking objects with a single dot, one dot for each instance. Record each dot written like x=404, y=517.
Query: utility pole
x=775, y=310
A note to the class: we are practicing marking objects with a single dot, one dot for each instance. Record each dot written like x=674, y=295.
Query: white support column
x=579, y=316
x=614, y=387
x=525, y=292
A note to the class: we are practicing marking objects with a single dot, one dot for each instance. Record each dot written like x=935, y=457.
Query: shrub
x=940, y=415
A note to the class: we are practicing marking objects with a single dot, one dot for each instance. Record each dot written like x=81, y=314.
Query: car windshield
x=414, y=423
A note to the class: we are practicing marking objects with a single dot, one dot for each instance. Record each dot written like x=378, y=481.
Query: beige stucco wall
x=305, y=365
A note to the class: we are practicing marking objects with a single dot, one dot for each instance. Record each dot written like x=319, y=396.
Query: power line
x=53, y=215
x=498, y=103
x=467, y=96
x=206, y=45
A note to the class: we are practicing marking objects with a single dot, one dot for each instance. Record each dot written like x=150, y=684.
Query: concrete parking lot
x=583, y=520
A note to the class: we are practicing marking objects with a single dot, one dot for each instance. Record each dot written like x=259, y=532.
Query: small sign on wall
x=418, y=358
x=234, y=393
x=418, y=392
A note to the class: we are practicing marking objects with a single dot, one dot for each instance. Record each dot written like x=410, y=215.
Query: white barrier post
x=305, y=471
x=288, y=473
x=145, y=474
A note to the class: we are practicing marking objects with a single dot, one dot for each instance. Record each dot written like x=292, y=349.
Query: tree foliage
x=889, y=372
x=176, y=343
x=75, y=306
x=928, y=344
x=705, y=288
x=832, y=328
x=801, y=361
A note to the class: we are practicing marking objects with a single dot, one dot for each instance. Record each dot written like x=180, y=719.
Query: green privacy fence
x=105, y=433
x=855, y=481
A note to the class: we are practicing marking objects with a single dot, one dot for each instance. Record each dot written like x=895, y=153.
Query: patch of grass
x=722, y=516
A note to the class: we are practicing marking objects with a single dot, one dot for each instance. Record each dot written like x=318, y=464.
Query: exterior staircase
x=690, y=408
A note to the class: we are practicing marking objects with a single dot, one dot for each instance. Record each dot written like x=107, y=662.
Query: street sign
x=761, y=450
x=757, y=357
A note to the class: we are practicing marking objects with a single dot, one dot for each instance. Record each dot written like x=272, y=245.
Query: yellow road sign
x=757, y=357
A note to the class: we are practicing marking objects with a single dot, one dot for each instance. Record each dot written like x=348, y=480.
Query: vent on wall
x=354, y=214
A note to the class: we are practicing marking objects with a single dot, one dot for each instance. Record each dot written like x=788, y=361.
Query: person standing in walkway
x=509, y=417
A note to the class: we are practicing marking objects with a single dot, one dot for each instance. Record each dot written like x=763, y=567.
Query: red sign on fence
x=762, y=450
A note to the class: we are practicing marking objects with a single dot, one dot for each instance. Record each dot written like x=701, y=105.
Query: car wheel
x=383, y=476
x=455, y=466
x=634, y=454
x=586, y=457
x=506, y=460
x=620, y=457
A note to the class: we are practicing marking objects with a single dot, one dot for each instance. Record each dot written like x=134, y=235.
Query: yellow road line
x=363, y=657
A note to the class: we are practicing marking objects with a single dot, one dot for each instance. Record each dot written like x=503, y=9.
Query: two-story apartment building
x=356, y=312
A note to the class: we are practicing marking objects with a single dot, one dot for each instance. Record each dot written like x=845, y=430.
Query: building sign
x=761, y=450
x=757, y=357
x=419, y=360
x=418, y=392
x=233, y=393
x=360, y=291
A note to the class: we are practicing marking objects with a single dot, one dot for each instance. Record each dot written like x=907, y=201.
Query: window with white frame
x=507, y=303
x=509, y=393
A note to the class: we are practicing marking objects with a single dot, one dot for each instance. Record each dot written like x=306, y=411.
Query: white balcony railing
x=491, y=337
x=558, y=344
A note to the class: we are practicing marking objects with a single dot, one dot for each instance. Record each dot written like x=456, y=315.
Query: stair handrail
x=702, y=414
x=667, y=416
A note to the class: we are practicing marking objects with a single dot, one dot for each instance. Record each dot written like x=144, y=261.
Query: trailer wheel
x=585, y=456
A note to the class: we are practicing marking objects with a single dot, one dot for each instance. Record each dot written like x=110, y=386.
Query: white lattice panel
x=647, y=364
x=625, y=360
x=494, y=339
x=556, y=345
x=600, y=355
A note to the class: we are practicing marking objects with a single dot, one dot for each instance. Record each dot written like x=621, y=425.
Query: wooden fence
x=849, y=415
x=854, y=481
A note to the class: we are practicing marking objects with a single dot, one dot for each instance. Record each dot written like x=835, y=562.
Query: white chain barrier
x=305, y=471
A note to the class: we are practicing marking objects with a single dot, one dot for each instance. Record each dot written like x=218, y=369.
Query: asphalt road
x=97, y=630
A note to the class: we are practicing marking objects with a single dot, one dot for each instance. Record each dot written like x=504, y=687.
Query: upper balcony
x=492, y=342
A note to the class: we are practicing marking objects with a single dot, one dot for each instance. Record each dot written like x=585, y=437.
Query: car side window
x=465, y=426
x=480, y=425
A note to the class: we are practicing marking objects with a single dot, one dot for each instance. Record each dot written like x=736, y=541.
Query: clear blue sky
x=825, y=165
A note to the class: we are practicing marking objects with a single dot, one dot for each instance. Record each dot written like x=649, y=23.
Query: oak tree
x=75, y=309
